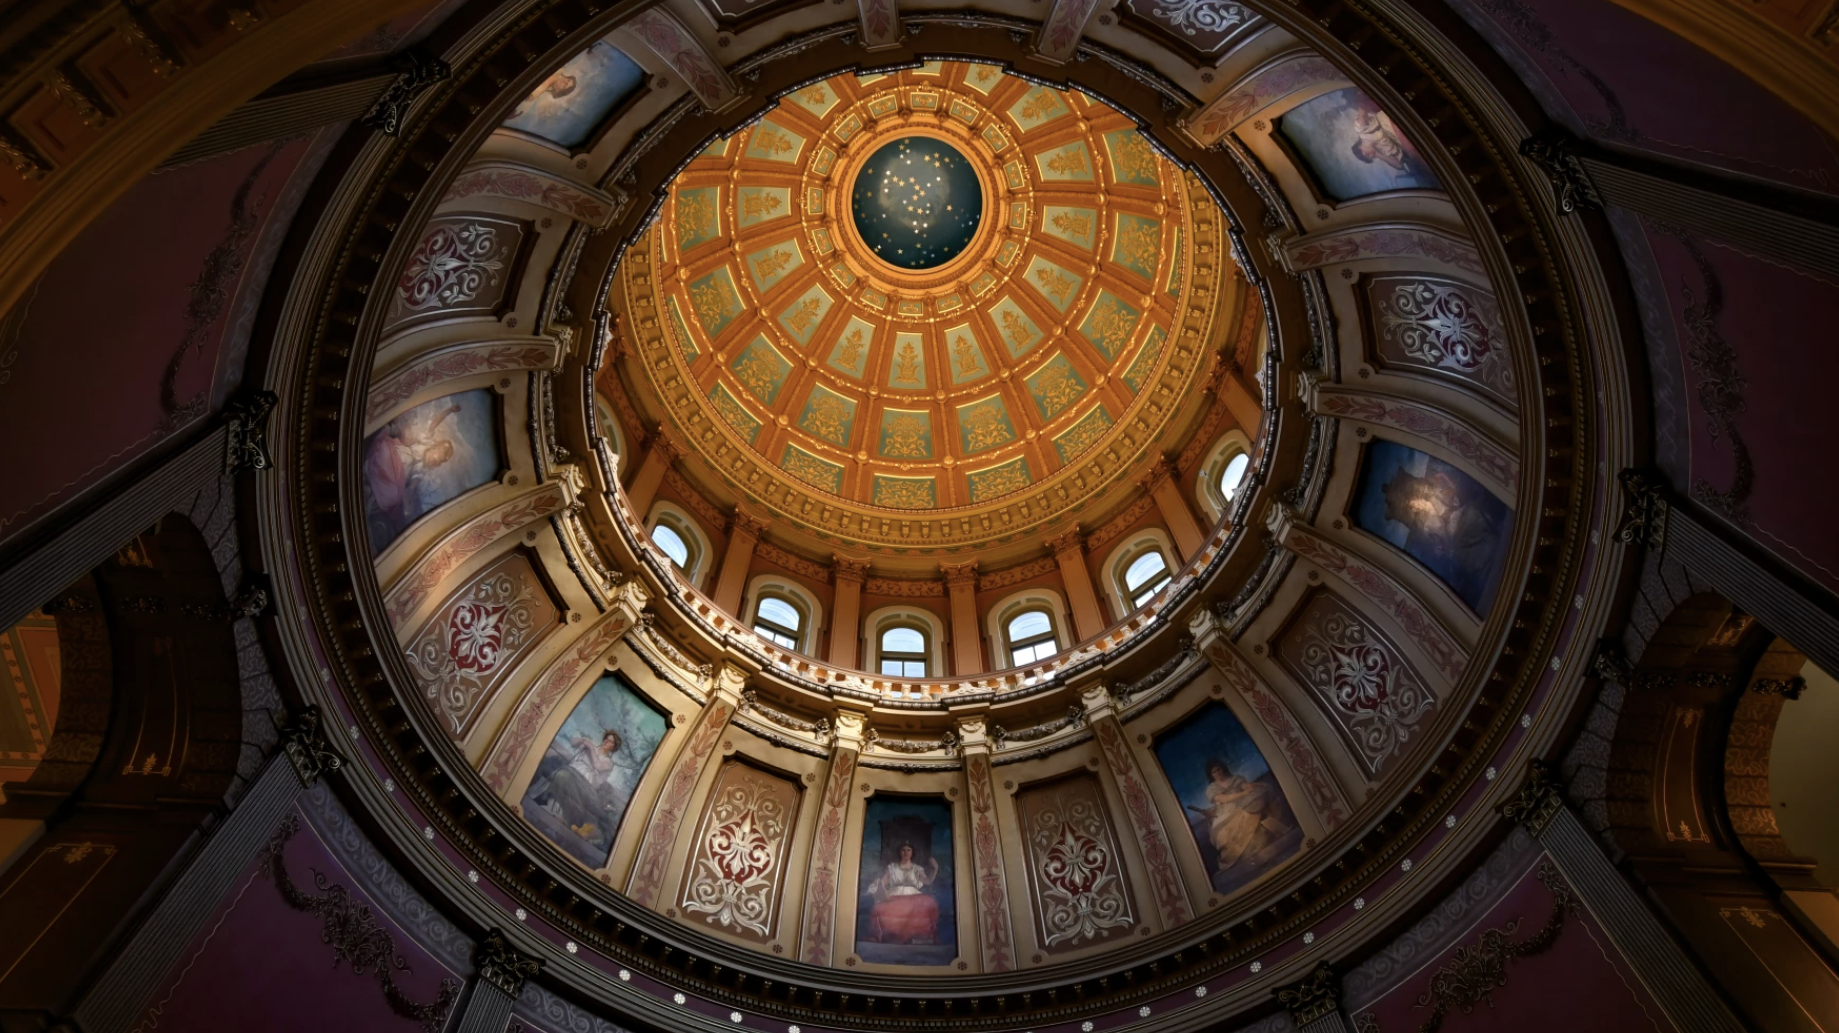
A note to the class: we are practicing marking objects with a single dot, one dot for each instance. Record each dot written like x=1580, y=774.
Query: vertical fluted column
x=1069, y=551
x=994, y=931
x=1690, y=1002
x=827, y=848
x=966, y=642
x=502, y=970
x=1161, y=485
x=667, y=816
x=848, y=574
x=743, y=534
x=660, y=452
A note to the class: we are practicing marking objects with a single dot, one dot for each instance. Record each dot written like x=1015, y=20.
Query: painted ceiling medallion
x=917, y=203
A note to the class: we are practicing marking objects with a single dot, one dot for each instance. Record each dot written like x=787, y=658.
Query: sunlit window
x=1031, y=638
x=1146, y=575
x=1234, y=475
x=673, y=545
x=903, y=652
x=778, y=620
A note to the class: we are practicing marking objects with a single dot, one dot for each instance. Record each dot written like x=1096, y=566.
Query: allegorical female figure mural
x=904, y=912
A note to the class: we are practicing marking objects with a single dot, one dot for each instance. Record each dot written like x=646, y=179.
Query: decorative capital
x=1160, y=469
x=1280, y=518
x=1555, y=152
x=1611, y=664
x=246, y=447
x=959, y=575
x=304, y=742
x=848, y=568
x=1070, y=540
x=973, y=732
x=659, y=441
x=1095, y=702
x=729, y=681
x=1644, y=513
x=849, y=731
x=416, y=70
x=503, y=965
x=1312, y=997
x=747, y=524
x=1539, y=800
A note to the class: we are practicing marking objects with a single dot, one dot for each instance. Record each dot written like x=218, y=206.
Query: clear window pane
x=914, y=669
x=892, y=667
x=1234, y=474
x=1144, y=568
x=780, y=612
x=902, y=640
x=1149, y=591
x=673, y=545
x=1029, y=625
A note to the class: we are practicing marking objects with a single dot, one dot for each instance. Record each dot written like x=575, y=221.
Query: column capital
x=1539, y=799
x=1644, y=510
x=1280, y=518
x=959, y=575
x=848, y=732
x=745, y=523
x=1097, y=701
x=1069, y=540
x=848, y=568
x=973, y=732
x=304, y=742
x=1160, y=469
x=728, y=682
x=503, y=965
x=1312, y=997
x=659, y=440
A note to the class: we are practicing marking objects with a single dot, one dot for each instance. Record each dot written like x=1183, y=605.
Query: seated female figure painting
x=905, y=912
x=427, y=457
x=587, y=776
x=1241, y=820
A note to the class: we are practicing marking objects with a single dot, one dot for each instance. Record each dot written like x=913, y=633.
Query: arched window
x=904, y=651
x=1233, y=475
x=1030, y=635
x=1146, y=575
x=776, y=618
x=666, y=538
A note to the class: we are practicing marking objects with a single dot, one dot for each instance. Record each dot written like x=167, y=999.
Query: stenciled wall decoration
x=587, y=775
x=736, y=872
x=1440, y=326
x=1364, y=684
x=464, y=266
x=469, y=645
x=906, y=911
x=1241, y=820
x=1075, y=872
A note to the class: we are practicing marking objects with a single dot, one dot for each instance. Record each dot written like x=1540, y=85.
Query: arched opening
x=1029, y=636
x=905, y=651
x=1145, y=576
x=779, y=620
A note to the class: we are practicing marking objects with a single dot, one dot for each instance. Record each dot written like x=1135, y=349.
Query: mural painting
x=1438, y=515
x=425, y=458
x=1240, y=818
x=906, y=913
x=590, y=770
x=572, y=103
x=1353, y=148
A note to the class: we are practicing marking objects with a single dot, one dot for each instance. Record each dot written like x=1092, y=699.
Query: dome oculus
x=917, y=203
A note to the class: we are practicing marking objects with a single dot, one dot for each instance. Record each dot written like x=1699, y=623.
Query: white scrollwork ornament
x=455, y=659
x=1076, y=862
x=1194, y=17
x=733, y=879
x=451, y=267
x=1375, y=694
x=1439, y=325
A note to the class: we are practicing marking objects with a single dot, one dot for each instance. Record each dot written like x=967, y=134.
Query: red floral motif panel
x=827, y=860
x=1074, y=871
x=986, y=852
x=1296, y=748
x=685, y=54
x=1425, y=631
x=1358, y=677
x=1441, y=326
x=737, y=869
x=654, y=856
x=463, y=266
x=520, y=735
x=468, y=646
x=1145, y=822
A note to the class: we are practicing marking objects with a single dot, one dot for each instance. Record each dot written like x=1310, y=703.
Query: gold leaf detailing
x=904, y=436
x=1000, y=481
x=907, y=365
x=965, y=355
x=758, y=372
x=1134, y=160
x=1040, y=103
x=828, y=417
x=773, y=142
x=764, y=268
x=986, y=425
x=905, y=493
x=801, y=317
x=1016, y=329
x=1073, y=225
x=1110, y=324
x=694, y=212
x=1055, y=387
x=1083, y=434
x=850, y=354
x=1067, y=163
x=1138, y=243
x=1054, y=285
x=760, y=206
x=812, y=470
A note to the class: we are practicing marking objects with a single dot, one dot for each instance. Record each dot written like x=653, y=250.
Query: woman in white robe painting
x=904, y=912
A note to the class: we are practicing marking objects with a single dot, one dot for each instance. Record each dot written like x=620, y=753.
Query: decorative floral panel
x=476, y=637
x=1371, y=693
x=463, y=266
x=1443, y=327
x=736, y=873
x=1075, y=873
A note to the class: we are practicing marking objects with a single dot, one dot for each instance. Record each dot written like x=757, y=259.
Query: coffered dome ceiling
x=929, y=309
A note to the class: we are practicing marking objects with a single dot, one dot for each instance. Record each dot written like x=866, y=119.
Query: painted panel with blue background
x=591, y=768
x=1437, y=515
x=572, y=103
x=425, y=458
x=1353, y=148
x=1238, y=814
x=906, y=911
